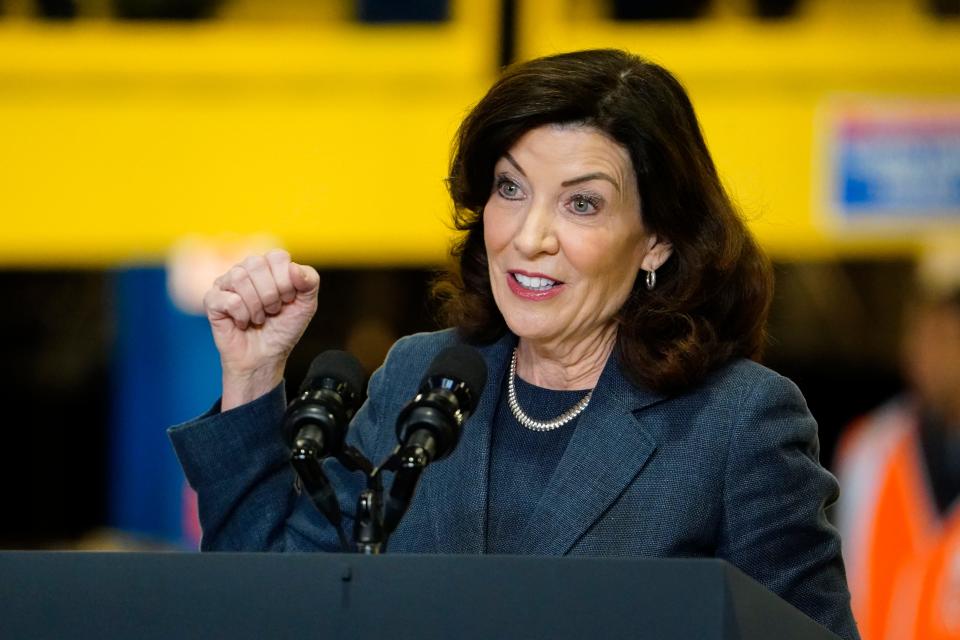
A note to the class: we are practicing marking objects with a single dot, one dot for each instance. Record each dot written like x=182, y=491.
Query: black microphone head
x=464, y=364
x=321, y=414
x=338, y=365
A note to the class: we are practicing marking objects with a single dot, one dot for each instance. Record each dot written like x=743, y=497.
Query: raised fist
x=258, y=310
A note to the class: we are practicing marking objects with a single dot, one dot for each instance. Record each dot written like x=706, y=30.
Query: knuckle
x=277, y=256
x=236, y=273
x=210, y=298
x=236, y=307
x=253, y=263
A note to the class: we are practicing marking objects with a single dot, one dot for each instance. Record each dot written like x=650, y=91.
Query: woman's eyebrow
x=514, y=163
x=599, y=175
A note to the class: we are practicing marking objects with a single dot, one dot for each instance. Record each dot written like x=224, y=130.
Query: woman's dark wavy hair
x=713, y=293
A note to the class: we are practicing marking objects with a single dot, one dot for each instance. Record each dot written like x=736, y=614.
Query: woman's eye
x=584, y=204
x=508, y=189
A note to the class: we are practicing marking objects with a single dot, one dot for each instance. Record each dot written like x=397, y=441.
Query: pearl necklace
x=539, y=425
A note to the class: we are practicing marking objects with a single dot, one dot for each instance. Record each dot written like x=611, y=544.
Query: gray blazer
x=729, y=469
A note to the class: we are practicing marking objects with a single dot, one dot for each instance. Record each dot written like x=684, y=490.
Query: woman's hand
x=258, y=310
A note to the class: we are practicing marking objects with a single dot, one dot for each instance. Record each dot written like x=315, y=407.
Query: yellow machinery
x=117, y=140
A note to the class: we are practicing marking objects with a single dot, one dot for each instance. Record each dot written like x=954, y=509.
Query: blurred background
x=146, y=145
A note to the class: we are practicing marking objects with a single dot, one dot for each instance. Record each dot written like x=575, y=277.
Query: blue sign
x=901, y=165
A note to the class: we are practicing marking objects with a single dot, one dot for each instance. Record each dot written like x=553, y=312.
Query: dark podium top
x=256, y=595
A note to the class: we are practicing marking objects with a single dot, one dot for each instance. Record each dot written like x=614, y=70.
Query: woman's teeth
x=536, y=284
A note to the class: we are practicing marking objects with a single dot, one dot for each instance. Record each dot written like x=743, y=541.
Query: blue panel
x=907, y=169
x=166, y=370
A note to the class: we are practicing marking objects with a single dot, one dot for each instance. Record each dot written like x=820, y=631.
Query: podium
x=352, y=597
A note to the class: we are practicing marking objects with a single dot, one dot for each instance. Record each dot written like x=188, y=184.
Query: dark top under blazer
x=729, y=469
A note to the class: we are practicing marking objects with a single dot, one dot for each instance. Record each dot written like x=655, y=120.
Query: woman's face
x=564, y=235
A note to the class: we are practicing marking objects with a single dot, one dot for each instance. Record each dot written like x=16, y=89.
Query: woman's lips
x=532, y=294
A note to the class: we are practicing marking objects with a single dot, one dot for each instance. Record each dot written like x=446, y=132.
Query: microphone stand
x=307, y=463
x=368, y=532
x=376, y=520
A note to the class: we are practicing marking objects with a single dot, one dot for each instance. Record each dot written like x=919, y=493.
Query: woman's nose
x=537, y=233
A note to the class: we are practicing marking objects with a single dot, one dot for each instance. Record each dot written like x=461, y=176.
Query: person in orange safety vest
x=899, y=513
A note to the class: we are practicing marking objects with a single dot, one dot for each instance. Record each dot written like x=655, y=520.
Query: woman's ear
x=658, y=250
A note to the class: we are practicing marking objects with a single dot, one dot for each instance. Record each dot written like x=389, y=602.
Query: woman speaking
x=617, y=300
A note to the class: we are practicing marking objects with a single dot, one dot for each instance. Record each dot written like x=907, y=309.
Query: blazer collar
x=608, y=449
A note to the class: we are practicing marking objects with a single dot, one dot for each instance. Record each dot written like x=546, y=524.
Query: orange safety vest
x=902, y=556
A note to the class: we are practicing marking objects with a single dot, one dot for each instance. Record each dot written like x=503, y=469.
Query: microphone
x=318, y=419
x=449, y=393
x=429, y=426
x=316, y=422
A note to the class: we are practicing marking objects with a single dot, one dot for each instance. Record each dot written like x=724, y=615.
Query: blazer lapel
x=607, y=450
x=457, y=487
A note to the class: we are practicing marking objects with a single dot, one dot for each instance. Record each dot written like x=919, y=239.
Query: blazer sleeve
x=775, y=498
x=239, y=465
